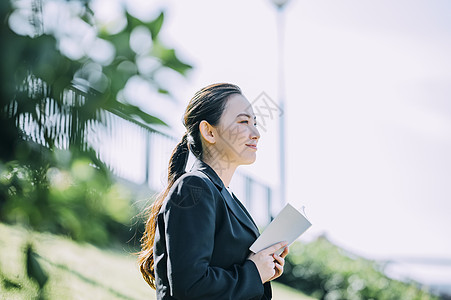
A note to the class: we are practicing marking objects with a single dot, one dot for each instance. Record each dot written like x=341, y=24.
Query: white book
x=287, y=226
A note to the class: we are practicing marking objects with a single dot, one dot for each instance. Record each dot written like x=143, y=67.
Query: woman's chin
x=249, y=160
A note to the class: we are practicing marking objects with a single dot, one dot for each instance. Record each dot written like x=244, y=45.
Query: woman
x=198, y=234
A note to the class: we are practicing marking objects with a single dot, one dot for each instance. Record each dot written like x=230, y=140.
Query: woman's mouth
x=252, y=146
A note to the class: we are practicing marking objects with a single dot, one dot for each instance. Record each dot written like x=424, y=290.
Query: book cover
x=287, y=226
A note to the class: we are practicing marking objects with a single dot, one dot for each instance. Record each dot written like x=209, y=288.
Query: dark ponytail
x=177, y=162
x=207, y=104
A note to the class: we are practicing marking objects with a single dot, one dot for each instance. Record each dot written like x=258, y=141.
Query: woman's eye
x=244, y=122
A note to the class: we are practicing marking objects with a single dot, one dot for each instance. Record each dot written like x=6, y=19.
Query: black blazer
x=202, y=242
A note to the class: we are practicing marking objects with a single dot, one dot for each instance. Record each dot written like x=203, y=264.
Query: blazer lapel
x=240, y=212
x=237, y=209
x=247, y=213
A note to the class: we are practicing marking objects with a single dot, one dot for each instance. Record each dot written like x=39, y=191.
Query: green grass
x=284, y=292
x=78, y=271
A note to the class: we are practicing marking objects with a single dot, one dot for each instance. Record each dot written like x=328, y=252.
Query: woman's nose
x=255, y=134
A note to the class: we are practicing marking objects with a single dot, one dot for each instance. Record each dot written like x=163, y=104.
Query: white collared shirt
x=230, y=191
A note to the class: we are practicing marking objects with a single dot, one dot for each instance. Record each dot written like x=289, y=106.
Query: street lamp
x=280, y=5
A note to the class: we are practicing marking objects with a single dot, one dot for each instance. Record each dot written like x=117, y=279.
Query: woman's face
x=238, y=134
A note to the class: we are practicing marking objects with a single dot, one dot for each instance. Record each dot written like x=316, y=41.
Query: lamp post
x=280, y=5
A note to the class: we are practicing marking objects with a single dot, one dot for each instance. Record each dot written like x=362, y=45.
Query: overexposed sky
x=368, y=108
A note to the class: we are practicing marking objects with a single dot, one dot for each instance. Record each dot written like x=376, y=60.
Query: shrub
x=325, y=271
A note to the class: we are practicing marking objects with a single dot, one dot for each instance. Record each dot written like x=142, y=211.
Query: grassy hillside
x=77, y=271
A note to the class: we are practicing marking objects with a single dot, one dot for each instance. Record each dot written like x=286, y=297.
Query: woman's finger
x=285, y=252
x=280, y=260
x=273, y=248
x=278, y=271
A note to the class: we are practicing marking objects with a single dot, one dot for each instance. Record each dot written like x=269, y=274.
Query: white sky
x=368, y=111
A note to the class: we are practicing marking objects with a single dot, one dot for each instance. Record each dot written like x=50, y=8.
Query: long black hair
x=207, y=104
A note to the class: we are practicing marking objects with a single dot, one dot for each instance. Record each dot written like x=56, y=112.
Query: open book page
x=287, y=226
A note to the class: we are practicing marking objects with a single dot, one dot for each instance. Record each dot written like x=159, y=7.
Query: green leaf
x=169, y=58
x=153, y=26
x=9, y=284
x=34, y=269
x=163, y=91
x=128, y=112
x=88, y=14
x=121, y=42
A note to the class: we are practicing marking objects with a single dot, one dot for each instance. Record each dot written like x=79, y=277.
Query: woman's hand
x=279, y=263
x=269, y=264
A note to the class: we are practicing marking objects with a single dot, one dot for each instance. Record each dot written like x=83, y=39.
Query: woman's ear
x=207, y=131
